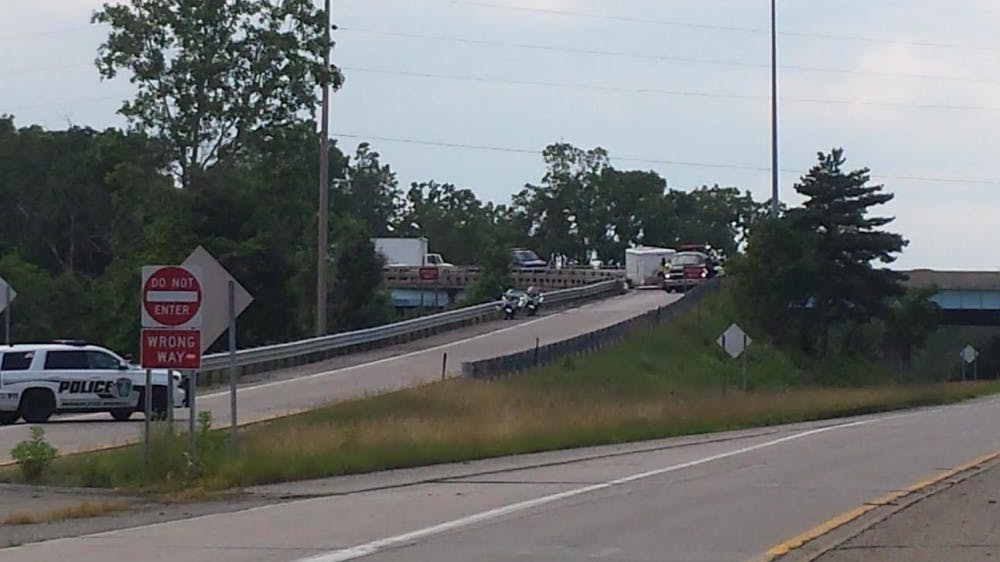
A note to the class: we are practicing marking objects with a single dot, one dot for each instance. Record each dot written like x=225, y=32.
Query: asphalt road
x=959, y=523
x=320, y=384
x=717, y=498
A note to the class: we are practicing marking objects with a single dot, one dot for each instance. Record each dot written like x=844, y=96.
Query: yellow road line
x=848, y=516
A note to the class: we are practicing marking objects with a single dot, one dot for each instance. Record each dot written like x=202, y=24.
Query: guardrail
x=458, y=277
x=261, y=359
x=584, y=343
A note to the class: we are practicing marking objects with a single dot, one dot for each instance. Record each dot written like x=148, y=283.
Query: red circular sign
x=172, y=296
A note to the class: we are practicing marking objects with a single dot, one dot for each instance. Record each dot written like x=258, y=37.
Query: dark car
x=523, y=258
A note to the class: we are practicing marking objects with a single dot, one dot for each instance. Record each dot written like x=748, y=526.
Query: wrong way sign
x=171, y=297
x=171, y=349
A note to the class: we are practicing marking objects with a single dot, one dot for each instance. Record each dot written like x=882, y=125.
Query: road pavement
x=958, y=523
x=718, y=498
x=317, y=385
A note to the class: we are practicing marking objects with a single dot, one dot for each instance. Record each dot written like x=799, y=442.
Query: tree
x=457, y=224
x=563, y=213
x=358, y=298
x=914, y=316
x=850, y=288
x=370, y=193
x=813, y=271
x=210, y=73
x=775, y=280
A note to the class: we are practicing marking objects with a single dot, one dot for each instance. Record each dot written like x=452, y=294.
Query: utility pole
x=322, y=242
x=774, y=110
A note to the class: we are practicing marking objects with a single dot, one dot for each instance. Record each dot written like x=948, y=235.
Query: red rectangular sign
x=171, y=349
x=429, y=274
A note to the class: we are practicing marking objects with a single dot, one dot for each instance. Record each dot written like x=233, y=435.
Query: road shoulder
x=954, y=516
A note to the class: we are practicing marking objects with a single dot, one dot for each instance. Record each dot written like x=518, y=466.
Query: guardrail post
x=444, y=365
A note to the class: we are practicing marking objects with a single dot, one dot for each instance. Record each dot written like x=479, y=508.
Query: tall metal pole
x=774, y=110
x=322, y=243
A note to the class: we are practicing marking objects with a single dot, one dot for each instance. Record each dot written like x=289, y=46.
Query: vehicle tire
x=8, y=418
x=37, y=405
x=159, y=405
x=122, y=414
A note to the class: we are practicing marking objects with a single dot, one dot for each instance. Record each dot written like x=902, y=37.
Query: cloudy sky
x=470, y=91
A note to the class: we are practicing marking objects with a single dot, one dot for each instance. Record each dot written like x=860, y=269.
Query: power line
x=724, y=28
x=669, y=58
x=662, y=91
x=48, y=32
x=716, y=165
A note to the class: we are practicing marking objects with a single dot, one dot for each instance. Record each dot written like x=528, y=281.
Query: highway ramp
x=714, y=498
x=313, y=387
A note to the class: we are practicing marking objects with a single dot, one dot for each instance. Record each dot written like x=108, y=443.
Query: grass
x=665, y=382
x=84, y=510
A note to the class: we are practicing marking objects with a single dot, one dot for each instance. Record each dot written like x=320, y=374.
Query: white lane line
x=373, y=547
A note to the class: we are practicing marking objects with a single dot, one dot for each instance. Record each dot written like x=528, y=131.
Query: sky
x=470, y=92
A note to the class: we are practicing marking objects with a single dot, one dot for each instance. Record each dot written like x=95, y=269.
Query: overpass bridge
x=433, y=287
x=970, y=298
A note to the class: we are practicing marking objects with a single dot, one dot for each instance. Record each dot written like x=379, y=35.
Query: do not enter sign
x=171, y=297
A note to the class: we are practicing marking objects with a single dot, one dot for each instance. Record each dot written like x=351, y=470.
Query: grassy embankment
x=662, y=383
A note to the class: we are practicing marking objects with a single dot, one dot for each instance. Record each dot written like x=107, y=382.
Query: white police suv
x=39, y=380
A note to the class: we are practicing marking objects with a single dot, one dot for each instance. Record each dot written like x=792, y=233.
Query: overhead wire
x=641, y=160
x=718, y=27
x=664, y=58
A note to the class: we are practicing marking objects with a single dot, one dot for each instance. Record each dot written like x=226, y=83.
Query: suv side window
x=66, y=360
x=17, y=361
x=102, y=361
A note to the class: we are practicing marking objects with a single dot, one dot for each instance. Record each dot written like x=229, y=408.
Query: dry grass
x=84, y=510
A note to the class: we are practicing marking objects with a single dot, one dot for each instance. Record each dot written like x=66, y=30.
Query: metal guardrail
x=260, y=359
x=495, y=367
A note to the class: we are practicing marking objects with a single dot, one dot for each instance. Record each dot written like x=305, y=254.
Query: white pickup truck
x=39, y=380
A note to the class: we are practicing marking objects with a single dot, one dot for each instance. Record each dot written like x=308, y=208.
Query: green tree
x=913, y=317
x=369, y=193
x=358, y=298
x=849, y=243
x=211, y=73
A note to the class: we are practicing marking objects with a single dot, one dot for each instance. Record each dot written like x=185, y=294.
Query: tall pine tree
x=851, y=247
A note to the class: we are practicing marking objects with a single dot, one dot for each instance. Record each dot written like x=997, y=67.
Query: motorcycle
x=532, y=302
x=509, y=304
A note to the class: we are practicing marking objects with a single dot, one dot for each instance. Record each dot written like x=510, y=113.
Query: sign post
x=232, y=360
x=7, y=294
x=969, y=356
x=172, y=299
x=735, y=342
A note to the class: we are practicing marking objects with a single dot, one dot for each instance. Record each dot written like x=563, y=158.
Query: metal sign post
x=735, y=342
x=969, y=355
x=232, y=360
x=148, y=409
x=192, y=393
x=6, y=313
